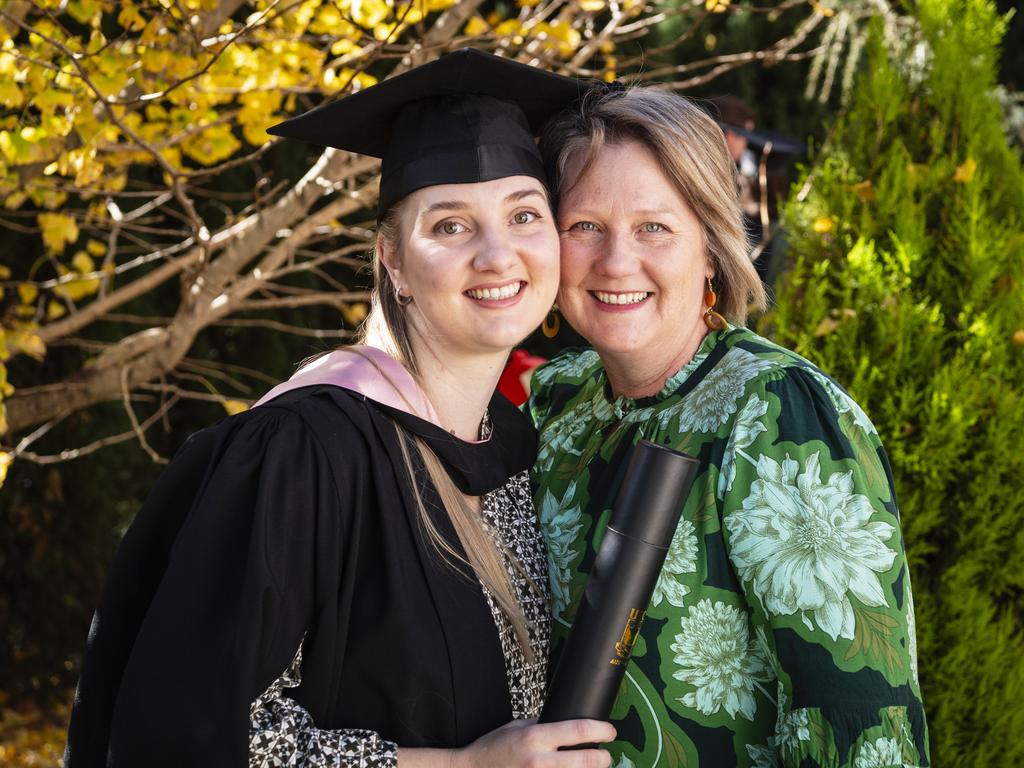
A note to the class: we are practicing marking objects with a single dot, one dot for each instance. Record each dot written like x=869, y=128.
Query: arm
x=282, y=733
x=813, y=532
x=208, y=632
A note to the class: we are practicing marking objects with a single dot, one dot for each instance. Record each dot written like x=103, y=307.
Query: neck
x=458, y=386
x=636, y=375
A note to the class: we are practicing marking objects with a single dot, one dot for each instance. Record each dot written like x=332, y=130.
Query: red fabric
x=514, y=381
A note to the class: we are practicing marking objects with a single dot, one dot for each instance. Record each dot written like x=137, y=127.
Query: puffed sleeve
x=207, y=600
x=813, y=532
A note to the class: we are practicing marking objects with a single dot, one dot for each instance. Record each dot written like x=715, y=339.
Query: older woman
x=781, y=631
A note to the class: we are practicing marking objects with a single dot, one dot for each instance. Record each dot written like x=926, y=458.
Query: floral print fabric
x=780, y=632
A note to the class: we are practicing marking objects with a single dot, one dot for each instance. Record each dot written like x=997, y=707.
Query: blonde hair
x=691, y=148
x=387, y=325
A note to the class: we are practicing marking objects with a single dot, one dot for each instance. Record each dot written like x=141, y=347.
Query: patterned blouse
x=283, y=734
x=781, y=630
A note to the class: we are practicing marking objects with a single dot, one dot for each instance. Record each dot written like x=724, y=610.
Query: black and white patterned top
x=282, y=734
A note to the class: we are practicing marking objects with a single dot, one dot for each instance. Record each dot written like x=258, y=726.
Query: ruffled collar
x=623, y=405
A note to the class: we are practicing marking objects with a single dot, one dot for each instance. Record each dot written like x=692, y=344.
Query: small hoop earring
x=713, y=320
x=403, y=301
x=552, y=324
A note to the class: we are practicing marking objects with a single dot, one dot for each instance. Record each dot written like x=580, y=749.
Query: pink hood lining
x=371, y=372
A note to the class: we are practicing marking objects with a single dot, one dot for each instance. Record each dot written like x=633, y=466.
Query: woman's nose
x=497, y=253
x=616, y=256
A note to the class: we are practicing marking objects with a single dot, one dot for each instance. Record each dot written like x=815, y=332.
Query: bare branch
x=136, y=427
x=76, y=453
x=294, y=330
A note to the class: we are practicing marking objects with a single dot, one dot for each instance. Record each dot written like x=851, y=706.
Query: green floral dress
x=781, y=630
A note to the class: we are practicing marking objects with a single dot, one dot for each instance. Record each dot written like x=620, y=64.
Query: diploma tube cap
x=654, y=479
x=466, y=117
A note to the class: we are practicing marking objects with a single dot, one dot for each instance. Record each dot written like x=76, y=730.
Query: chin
x=619, y=341
x=501, y=340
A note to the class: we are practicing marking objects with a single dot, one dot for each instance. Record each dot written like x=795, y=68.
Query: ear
x=389, y=259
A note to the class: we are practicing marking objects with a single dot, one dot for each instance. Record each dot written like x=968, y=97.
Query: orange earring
x=552, y=324
x=713, y=320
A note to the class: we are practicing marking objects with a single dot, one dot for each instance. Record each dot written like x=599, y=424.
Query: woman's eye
x=652, y=227
x=584, y=226
x=524, y=217
x=450, y=228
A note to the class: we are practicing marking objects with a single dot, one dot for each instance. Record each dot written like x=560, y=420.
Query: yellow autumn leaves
x=133, y=56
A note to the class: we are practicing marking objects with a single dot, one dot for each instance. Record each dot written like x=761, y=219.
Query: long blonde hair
x=387, y=326
x=691, y=149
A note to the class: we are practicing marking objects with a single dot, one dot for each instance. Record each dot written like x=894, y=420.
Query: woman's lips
x=497, y=296
x=620, y=301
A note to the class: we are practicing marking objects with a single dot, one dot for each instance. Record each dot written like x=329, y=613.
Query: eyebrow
x=459, y=205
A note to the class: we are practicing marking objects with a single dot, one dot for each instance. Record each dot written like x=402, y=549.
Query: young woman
x=351, y=574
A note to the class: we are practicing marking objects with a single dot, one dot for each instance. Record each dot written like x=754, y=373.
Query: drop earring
x=552, y=323
x=713, y=320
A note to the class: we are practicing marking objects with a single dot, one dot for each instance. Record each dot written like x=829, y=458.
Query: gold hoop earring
x=713, y=320
x=552, y=324
x=403, y=301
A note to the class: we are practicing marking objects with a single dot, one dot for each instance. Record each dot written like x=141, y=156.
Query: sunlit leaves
x=77, y=288
x=559, y=36
x=58, y=230
x=212, y=145
x=5, y=457
x=22, y=338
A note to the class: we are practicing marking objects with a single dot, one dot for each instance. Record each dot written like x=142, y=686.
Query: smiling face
x=633, y=261
x=480, y=262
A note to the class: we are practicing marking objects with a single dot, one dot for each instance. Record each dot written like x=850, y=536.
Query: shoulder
x=309, y=421
x=571, y=366
x=564, y=378
x=787, y=375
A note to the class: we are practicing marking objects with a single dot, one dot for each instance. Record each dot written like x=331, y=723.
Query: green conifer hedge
x=908, y=287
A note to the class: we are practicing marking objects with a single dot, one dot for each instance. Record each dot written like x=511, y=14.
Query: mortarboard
x=466, y=117
x=775, y=142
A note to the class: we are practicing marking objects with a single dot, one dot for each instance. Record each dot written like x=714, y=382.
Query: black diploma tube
x=620, y=585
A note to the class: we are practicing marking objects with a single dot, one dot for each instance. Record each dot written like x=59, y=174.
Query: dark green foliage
x=908, y=287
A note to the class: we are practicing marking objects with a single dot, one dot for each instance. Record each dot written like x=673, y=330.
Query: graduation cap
x=466, y=117
x=772, y=141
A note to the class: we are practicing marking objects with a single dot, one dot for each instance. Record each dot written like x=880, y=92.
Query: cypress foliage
x=908, y=287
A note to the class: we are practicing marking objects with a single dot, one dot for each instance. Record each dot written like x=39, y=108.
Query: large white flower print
x=745, y=431
x=884, y=753
x=681, y=558
x=570, y=366
x=560, y=528
x=806, y=544
x=562, y=434
x=716, y=655
x=715, y=398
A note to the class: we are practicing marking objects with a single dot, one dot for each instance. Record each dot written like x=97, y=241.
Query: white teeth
x=620, y=298
x=496, y=294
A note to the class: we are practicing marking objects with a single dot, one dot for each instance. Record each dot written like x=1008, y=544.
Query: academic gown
x=295, y=523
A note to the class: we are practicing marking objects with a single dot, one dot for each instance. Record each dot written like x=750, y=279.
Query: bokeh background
x=163, y=261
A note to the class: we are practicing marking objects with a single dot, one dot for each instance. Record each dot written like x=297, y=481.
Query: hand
x=528, y=744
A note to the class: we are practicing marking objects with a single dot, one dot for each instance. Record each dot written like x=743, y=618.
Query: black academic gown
x=294, y=520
